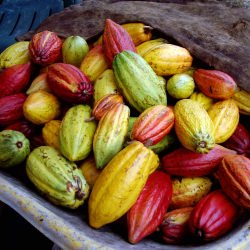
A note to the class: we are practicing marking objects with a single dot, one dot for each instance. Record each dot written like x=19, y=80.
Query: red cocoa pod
x=213, y=216
x=11, y=108
x=239, y=140
x=45, y=48
x=185, y=163
x=174, y=227
x=14, y=79
x=153, y=124
x=115, y=40
x=69, y=83
x=147, y=213
x=23, y=126
x=233, y=174
x=214, y=83
x=104, y=104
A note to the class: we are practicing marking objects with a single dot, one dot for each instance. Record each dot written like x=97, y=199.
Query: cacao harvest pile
x=131, y=130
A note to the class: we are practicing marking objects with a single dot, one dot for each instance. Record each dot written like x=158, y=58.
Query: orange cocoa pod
x=39, y=83
x=214, y=83
x=234, y=176
x=45, y=48
x=153, y=124
x=103, y=105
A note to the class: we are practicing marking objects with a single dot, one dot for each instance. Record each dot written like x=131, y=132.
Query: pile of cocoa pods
x=131, y=127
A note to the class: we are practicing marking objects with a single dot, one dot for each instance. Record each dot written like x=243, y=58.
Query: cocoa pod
x=153, y=124
x=174, y=227
x=45, y=48
x=186, y=163
x=234, y=174
x=11, y=108
x=239, y=140
x=115, y=40
x=213, y=216
x=68, y=83
x=39, y=83
x=214, y=83
x=148, y=211
x=14, y=79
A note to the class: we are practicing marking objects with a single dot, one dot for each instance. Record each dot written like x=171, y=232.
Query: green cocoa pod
x=76, y=133
x=164, y=144
x=74, y=49
x=137, y=81
x=14, y=148
x=58, y=179
x=110, y=134
x=104, y=84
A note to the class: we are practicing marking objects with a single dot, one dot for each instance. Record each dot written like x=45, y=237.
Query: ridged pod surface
x=147, y=213
x=153, y=124
x=137, y=82
x=120, y=183
x=242, y=99
x=110, y=134
x=225, y=116
x=204, y=100
x=193, y=126
x=76, y=134
x=56, y=178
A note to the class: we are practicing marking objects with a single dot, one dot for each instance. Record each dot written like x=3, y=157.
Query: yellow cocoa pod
x=104, y=85
x=187, y=192
x=94, y=63
x=39, y=83
x=225, y=116
x=145, y=47
x=120, y=183
x=50, y=133
x=169, y=59
x=41, y=107
x=17, y=53
x=90, y=171
x=193, y=126
x=242, y=99
x=204, y=100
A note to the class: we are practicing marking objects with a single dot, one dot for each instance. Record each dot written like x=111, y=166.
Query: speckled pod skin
x=58, y=179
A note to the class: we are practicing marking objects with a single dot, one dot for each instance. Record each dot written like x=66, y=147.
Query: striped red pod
x=103, y=105
x=69, y=83
x=45, y=48
x=115, y=40
x=214, y=83
x=148, y=211
x=153, y=124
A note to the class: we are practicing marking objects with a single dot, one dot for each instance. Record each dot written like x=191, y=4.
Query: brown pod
x=153, y=124
x=213, y=216
x=174, y=227
x=234, y=176
x=103, y=105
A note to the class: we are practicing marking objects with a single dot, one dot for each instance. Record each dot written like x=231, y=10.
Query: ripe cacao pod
x=110, y=134
x=45, y=48
x=214, y=83
x=137, y=82
x=56, y=178
x=204, y=100
x=174, y=227
x=234, y=174
x=11, y=108
x=39, y=83
x=153, y=124
x=120, y=183
x=115, y=40
x=239, y=140
x=168, y=59
x=242, y=99
x=14, y=79
x=148, y=211
x=41, y=107
x=213, y=216
x=68, y=83
x=76, y=134
x=193, y=126
x=186, y=163
x=225, y=116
